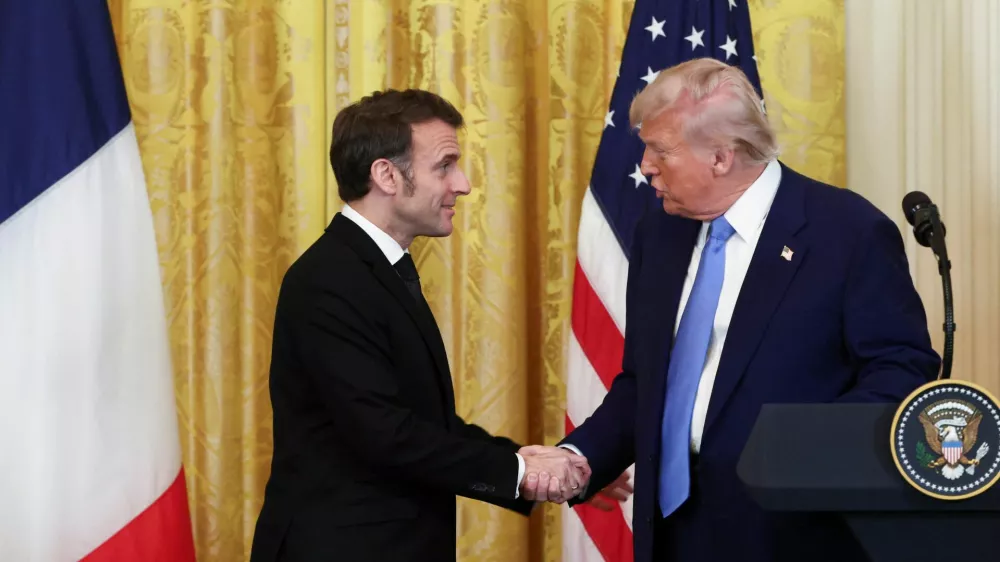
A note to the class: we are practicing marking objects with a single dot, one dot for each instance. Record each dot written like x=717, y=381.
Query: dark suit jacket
x=841, y=321
x=369, y=453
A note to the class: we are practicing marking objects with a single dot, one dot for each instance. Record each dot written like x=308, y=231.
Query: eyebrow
x=449, y=157
x=654, y=144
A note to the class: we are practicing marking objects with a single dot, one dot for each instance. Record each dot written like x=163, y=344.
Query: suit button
x=649, y=521
x=650, y=458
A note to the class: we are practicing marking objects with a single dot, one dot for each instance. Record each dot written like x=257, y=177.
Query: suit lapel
x=432, y=335
x=418, y=312
x=765, y=284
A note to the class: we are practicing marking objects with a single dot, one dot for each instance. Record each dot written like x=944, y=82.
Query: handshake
x=557, y=475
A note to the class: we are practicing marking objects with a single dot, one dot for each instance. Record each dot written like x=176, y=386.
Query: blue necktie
x=686, y=363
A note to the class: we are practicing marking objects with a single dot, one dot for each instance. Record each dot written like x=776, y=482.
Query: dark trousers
x=698, y=533
x=671, y=542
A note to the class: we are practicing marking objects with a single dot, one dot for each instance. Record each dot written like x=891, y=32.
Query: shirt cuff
x=572, y=448
x=520, y=475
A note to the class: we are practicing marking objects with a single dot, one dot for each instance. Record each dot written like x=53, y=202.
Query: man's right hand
x=552, y=473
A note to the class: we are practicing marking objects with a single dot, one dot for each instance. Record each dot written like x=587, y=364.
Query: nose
x=461, y=185
x=646, y=166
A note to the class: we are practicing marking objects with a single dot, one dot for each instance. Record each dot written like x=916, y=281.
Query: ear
x=722, y=160
x=384, y=176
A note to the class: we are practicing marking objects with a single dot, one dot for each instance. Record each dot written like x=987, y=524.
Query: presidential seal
x=946, y=439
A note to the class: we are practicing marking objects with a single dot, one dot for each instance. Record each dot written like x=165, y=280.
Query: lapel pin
x=786, y=253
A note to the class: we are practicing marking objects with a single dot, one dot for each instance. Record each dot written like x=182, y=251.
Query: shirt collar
x=747, y=214
x=392, y=250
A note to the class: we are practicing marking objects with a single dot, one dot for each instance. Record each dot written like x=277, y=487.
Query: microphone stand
x=944, y=268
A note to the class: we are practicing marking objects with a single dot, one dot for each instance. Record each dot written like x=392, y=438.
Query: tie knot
x=720, y=229
x=406, y=269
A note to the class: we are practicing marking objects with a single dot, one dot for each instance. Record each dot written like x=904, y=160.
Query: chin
x=441, y=230
x=670, y=207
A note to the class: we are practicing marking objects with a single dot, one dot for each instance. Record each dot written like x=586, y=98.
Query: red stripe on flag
x=160, y=533
x=608, y=529
x=596, y=331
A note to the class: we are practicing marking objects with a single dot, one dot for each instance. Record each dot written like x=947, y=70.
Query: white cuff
x=572, y=448
x=520, y=475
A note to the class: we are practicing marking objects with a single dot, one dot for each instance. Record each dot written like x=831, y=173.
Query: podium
x=837, y=458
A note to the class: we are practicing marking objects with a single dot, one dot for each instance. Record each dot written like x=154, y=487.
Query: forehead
x=434, y=138
x=662, y=127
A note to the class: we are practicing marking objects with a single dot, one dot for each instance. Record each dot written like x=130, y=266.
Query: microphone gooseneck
x=929, y=232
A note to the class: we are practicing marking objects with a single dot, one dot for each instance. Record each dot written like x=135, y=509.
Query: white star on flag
x=695, y=38
x=650, y=75
x=607, y=119
x=729, y=47
x=732, y=4
x=656, y=28
x=638, y=177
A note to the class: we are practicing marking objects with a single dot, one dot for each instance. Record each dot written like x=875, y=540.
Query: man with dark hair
x=369, y=452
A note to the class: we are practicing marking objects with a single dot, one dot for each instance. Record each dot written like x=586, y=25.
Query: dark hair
x=378, y=126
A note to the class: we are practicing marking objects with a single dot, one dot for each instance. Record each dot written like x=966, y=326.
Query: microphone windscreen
x=911, y=201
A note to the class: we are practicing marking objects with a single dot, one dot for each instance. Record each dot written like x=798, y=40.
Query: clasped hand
x=553, y=474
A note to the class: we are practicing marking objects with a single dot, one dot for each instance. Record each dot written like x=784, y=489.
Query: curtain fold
x=233, y=104
x=925, y=116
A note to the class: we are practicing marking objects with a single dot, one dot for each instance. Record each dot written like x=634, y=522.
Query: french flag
x=90, y=464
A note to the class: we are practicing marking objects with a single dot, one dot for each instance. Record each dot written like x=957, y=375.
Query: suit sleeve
x=347, y=358
x=473, y=431
x=607, y=437
x=885, y=326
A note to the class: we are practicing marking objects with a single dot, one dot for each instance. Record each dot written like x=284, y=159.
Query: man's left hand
x=619, y=491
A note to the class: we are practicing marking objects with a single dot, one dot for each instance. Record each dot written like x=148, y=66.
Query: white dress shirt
x=747, y=216
x=394, y=252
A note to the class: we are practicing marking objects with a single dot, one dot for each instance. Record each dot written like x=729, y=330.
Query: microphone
x=921, y=214
x=929, y=231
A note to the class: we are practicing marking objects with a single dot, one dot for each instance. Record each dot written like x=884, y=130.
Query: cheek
x=679, y=173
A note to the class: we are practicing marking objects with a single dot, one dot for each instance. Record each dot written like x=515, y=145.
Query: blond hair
x=721, y=108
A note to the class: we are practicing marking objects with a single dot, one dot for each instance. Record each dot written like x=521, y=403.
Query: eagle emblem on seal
x=951, y=429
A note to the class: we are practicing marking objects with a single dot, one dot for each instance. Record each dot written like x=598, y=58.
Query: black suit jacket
x=369, y=453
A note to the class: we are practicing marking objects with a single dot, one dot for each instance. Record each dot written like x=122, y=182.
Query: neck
x=381, y=216
x=735, y=184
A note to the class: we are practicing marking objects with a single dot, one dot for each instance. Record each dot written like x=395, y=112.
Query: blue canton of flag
x=662, y=33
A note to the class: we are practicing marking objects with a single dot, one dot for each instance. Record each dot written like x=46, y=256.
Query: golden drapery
x=233, y=101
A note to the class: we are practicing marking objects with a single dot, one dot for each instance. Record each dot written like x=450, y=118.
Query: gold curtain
x=233, y=103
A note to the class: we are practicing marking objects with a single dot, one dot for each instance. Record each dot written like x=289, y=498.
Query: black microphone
x=920, y=213
x=929, y=231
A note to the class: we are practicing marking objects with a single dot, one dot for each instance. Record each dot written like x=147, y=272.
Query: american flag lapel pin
x=786, y=253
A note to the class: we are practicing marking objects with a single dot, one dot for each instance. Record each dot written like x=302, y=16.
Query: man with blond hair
x=752, y=285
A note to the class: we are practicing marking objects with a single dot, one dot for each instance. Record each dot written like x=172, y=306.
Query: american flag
x=662, y=33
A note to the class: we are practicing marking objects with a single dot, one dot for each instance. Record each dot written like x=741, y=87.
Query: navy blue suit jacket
x=840, y=321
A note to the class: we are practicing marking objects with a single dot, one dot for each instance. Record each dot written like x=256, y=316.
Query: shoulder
x=327, y=267
x=325, y=259
x=838, y=211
